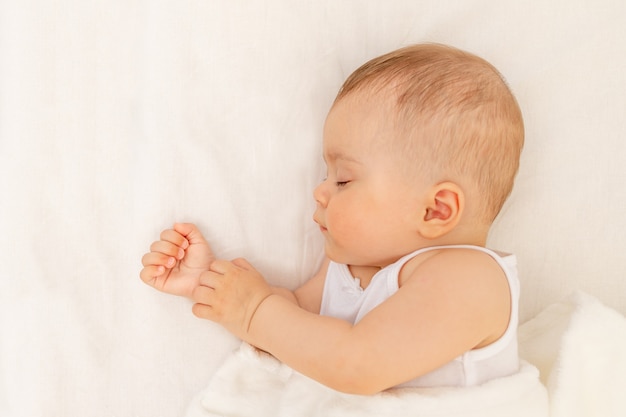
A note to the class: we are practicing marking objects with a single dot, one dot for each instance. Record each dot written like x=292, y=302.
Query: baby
x=422, y=146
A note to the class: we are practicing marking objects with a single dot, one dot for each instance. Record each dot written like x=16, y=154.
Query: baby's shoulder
x=457, y=265
x=461, y=282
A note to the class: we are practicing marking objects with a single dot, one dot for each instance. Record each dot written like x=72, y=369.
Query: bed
x=119, y=118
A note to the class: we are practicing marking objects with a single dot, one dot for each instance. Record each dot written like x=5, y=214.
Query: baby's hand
x=175, y=262
x=229, y=294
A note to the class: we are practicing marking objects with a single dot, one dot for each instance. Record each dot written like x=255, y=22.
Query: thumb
x=190, y=231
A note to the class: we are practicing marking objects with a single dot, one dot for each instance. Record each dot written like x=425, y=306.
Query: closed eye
x=342, y=183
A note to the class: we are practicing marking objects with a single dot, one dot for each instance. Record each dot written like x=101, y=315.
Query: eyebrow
x=335, y=155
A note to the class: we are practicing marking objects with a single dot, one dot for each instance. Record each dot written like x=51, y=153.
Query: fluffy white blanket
x=574, y=364
x=579, y=346
x=252, y=383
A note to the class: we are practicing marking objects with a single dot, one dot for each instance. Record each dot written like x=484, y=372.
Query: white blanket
x=578, y=345
x=251, y=383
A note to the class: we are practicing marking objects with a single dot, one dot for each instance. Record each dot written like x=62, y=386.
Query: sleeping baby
x=422, y=146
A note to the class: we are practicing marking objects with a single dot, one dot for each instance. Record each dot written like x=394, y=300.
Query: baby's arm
x=452, y=303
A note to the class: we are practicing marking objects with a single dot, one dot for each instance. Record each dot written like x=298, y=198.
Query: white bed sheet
x=118, y=118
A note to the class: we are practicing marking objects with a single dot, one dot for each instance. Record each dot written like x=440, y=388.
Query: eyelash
x=338, y=183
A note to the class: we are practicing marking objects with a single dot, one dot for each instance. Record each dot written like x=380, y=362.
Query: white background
x=119, y=117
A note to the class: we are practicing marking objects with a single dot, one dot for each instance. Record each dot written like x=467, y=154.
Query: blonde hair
x=457, y=117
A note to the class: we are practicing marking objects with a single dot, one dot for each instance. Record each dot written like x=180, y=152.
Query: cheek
x=350, y=218
x=340, y=215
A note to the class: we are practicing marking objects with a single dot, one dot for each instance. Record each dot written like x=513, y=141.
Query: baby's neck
x=475, y=235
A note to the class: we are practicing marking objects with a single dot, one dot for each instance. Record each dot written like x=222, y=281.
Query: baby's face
x=366, y=207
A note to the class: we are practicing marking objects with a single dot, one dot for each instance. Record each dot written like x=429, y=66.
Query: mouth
x=319, y=223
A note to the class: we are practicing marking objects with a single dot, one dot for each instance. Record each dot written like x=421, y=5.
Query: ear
x=444, y=206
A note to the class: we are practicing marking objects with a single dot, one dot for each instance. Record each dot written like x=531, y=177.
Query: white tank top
x=344, y=298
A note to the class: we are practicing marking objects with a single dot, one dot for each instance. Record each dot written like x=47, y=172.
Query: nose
x=320, y=193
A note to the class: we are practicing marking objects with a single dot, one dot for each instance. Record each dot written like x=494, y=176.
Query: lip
x=319, y=223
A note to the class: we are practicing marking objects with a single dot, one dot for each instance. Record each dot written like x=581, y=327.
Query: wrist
x=265, y=324
x=254, y=311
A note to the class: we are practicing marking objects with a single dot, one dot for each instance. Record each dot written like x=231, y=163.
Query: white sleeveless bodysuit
x=344, y=298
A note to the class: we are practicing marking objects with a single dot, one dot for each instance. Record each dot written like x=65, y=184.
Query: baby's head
x=454, y=119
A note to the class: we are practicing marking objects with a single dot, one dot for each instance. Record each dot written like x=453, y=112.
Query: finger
x=243, y=264
x=172, y=236
x=167, y=248
x=210, y=279
x=158, y=259
x=221, y=266
x=203, y=311
x=190, y=232
x=151, y=272
x=203, y=295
